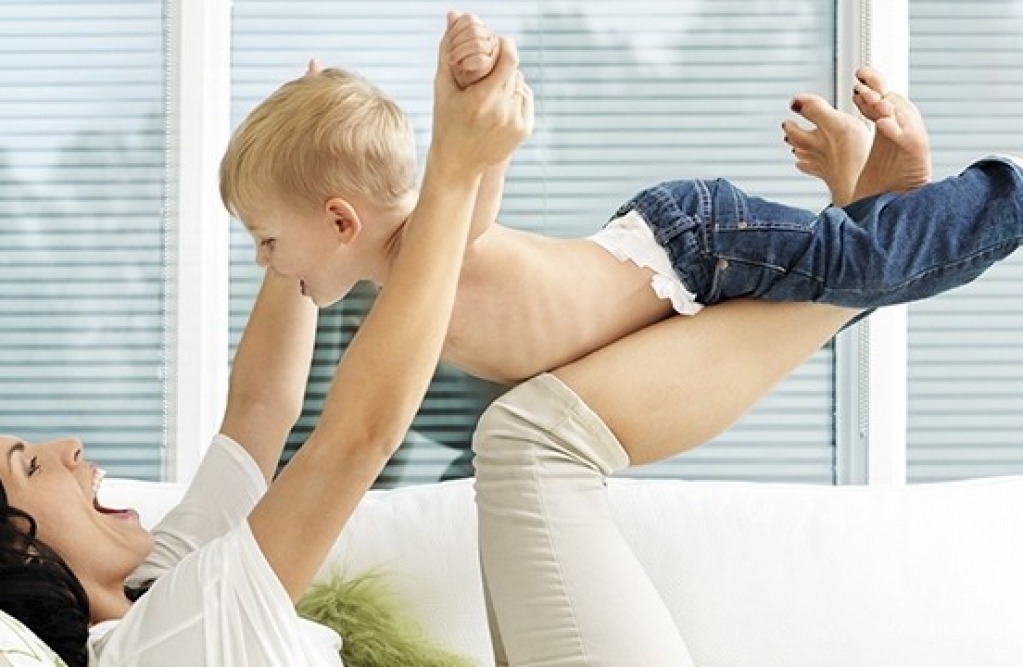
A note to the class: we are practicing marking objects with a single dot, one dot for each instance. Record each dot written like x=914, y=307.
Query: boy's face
x=309, y=247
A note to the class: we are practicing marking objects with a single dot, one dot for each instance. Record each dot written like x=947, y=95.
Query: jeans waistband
x=683, y=216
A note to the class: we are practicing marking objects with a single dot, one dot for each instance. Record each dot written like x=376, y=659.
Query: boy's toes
x=796, y=136
x=870, y=93
x=807, y=163
x=873, y=79
x=870, y=103
x=817, y=110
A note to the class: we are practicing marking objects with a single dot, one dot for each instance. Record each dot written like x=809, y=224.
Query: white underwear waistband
x=629, y=238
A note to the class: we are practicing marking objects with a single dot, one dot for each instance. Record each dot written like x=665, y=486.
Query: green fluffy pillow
x=366, y=613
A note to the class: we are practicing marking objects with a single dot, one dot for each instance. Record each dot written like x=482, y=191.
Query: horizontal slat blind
x=966, y=347
x=81, y=229
x=628, y=93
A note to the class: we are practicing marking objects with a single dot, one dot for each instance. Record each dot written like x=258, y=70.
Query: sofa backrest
x=755, y=574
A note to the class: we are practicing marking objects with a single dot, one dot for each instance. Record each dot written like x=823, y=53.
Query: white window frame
x=872, y=366
x=871, y=357
x=199, y=106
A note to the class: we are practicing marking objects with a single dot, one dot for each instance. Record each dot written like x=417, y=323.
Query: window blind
x=81, y=229
x=966, y=347
x=628, y=93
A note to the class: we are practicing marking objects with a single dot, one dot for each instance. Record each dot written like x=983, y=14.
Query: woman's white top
x=215, y=601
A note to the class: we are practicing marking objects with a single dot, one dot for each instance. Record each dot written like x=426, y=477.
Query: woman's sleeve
x=226, y=487
x=221, y=605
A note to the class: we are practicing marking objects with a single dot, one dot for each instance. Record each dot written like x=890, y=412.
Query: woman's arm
x=264, y=400
x=270, y=371
x=383, y=376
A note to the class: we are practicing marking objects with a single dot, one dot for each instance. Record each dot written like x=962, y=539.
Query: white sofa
x=757, y=575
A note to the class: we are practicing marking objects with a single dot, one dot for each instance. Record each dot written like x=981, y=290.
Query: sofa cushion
x=802, y=576
x=423, y=538
x=755, y=574
x=19, y=647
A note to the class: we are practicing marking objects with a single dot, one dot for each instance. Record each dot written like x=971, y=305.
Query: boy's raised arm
x=472, y=51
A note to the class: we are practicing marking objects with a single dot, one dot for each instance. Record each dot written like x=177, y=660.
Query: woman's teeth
x=97, y=480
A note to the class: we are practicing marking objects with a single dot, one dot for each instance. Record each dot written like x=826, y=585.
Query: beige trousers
x=563, y=586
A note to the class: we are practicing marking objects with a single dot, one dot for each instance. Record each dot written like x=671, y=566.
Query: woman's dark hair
x=39, y=589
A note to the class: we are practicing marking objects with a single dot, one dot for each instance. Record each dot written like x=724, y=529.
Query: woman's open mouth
x=97, y=481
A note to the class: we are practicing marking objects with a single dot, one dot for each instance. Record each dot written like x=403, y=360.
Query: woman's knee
x=505, y=437
x=541, y=423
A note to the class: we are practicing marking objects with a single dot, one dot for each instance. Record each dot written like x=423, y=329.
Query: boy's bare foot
x=834, y=150
x=900, y=157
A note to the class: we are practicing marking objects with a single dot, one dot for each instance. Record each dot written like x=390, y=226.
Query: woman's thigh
x=678, y=383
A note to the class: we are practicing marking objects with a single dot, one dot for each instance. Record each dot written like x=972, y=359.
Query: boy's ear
x=345, y=219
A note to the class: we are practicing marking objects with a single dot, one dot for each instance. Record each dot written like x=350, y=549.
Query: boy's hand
x=472, y=48
x=480, y=126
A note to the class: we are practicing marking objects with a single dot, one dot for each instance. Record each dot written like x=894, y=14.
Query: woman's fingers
x=526, y=110
x=507, y=67
x=514, y=97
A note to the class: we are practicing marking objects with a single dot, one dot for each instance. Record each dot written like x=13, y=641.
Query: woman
x=217, y=580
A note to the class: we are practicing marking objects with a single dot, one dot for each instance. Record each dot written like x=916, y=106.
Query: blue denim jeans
x=879, y=251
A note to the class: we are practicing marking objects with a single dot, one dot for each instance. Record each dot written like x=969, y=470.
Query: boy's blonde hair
x=323, y=135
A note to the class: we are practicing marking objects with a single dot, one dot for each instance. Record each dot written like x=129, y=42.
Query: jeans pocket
x=769, y=264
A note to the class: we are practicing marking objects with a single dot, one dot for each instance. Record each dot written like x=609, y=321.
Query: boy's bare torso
x=528, y=303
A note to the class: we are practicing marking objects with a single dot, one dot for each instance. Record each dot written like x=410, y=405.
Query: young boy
x=322, y=174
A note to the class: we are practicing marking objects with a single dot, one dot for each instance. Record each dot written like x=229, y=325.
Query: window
x=81, y=228
x=966, y=347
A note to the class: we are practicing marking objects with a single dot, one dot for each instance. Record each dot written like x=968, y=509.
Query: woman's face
x=56, y=486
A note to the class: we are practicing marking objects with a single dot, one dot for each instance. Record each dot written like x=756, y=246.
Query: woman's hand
x=482, y=125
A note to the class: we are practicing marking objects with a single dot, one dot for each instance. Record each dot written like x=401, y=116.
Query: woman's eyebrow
x=16, y=447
